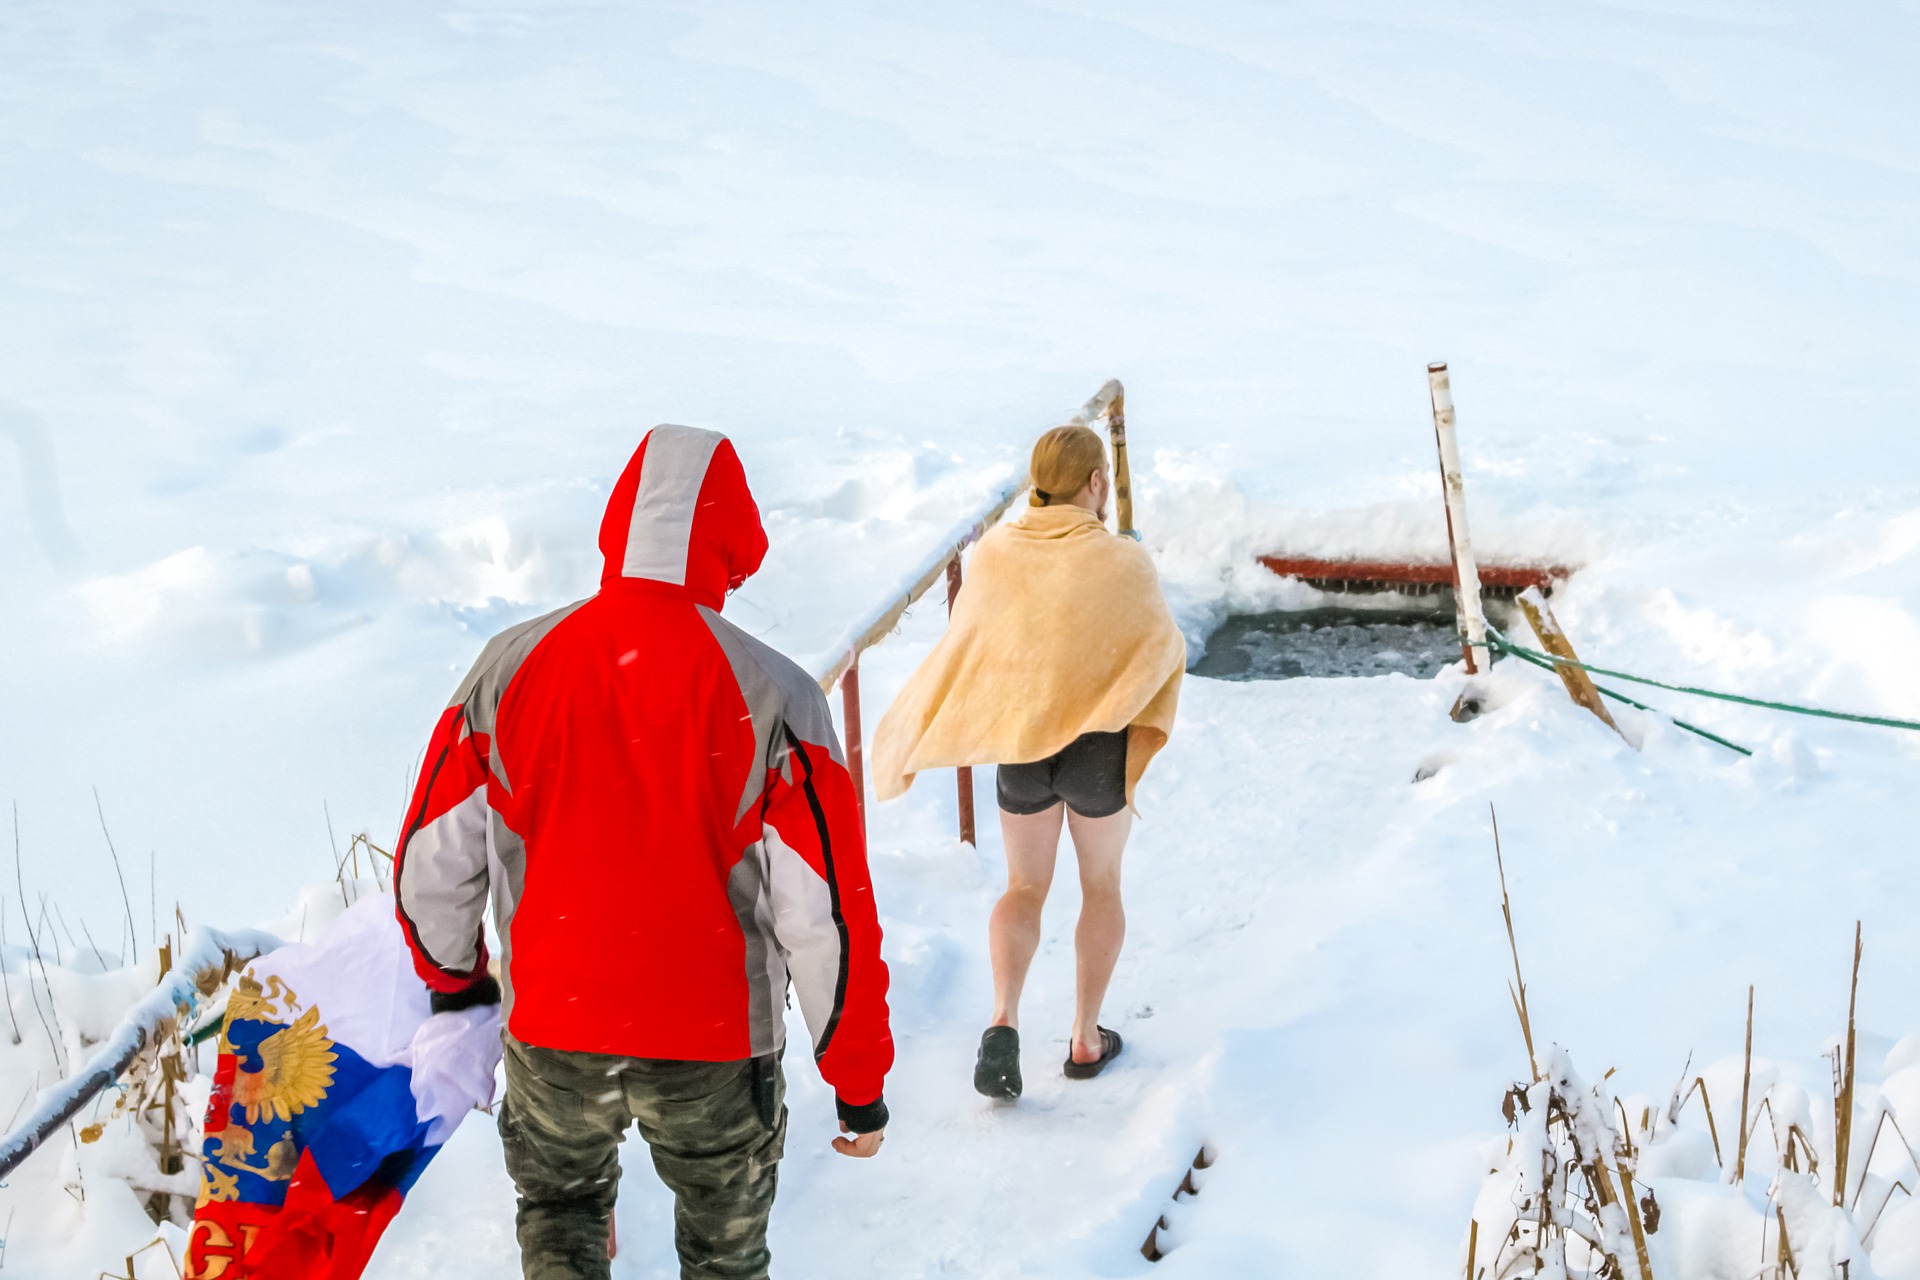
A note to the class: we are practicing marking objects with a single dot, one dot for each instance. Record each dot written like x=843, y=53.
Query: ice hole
x=1333, y=641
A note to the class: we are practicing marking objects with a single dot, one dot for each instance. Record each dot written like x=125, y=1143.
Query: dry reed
x=1843, y=1101
x=1517, y=989
x=1699, y=1086
x=90, y=942
x=1746, y=1089
x=49, y=1022
x=133, y=940
x=6, y=978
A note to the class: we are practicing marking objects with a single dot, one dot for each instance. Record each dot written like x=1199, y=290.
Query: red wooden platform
x=1503, y=580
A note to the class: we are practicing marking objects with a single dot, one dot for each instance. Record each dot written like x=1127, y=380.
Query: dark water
x=1330, y=642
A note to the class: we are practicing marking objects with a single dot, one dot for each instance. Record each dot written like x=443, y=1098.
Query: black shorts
x=1089, y=773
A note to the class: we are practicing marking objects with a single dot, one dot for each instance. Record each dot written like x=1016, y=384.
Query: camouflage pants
x=716, y=1131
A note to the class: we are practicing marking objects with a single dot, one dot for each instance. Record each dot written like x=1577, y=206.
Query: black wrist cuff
x=485, y=991
x=863, y=1119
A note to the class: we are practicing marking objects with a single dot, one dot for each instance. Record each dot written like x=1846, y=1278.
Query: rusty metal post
x=1122, y=479
x=964, y=772
x=1466, y=573
x=856, y=753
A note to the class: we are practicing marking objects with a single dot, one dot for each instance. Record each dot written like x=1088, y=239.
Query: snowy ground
x=327, y=327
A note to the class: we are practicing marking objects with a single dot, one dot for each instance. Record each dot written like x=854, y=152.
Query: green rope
x=1526, y=655
x=1501, y=642
x=202, y=1034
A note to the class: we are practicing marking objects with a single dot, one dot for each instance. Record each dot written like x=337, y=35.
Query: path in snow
x=1313, y=984
x=1228, y=913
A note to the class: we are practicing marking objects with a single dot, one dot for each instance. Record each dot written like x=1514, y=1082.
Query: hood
x=681, y=515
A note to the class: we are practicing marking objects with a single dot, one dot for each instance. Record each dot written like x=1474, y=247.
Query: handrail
x=1096, y=406
x=844, y=669
x=879, y=624
x=1110, y=402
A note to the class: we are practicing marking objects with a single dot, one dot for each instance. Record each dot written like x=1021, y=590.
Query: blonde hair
x=1064, y=460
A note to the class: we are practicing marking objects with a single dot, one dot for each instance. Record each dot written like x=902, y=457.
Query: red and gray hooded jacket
x=660, y=809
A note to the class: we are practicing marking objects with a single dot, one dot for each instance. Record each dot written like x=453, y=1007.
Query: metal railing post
x=856, y=752
x=965, y=772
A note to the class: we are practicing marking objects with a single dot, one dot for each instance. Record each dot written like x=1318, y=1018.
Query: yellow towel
x=1059, y=630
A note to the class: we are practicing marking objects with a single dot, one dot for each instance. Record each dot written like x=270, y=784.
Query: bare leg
x=1099, y=843
x=1013, y=933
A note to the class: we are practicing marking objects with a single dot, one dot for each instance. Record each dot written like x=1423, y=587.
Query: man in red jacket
x=660, y=811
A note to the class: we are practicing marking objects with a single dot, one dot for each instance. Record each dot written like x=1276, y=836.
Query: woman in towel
x=1062, y=666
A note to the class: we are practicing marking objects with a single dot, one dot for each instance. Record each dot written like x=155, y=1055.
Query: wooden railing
x=1108, y=404
x=880, y=623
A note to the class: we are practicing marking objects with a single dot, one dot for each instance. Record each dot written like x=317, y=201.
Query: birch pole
x=1471, y=621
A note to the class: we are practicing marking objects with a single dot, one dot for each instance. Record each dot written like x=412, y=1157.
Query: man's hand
x=861, y=1146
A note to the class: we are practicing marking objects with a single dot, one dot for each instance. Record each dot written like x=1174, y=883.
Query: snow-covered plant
x=165, y=1115
x=1560, y=1200
x=1580, y=1189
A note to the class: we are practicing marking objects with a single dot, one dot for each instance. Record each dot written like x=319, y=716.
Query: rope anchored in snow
x=1497, y=640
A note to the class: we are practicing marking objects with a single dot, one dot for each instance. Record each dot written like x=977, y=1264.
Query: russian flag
x=334, y=1087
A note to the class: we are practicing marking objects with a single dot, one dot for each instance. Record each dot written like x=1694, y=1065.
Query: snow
x=327, y=328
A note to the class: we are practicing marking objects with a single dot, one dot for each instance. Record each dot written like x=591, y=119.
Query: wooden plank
x=1396, y=573
x=1554, y=641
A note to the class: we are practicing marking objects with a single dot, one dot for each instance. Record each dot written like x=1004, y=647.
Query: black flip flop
x=1110, y=1046
x=996, y=1074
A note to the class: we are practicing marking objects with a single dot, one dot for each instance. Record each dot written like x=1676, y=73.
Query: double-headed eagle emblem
x=296, y=1069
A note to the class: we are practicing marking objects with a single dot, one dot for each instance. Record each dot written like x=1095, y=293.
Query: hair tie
x=1043, y=495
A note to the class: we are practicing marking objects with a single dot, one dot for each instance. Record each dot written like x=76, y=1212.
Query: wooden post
x=171, y=1161
x=1110, y=402
x=1466, y=572
x=1151, y=1249
x=1122, y=479
x=964, y=773
x=1554, y=641
x=856, y=754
